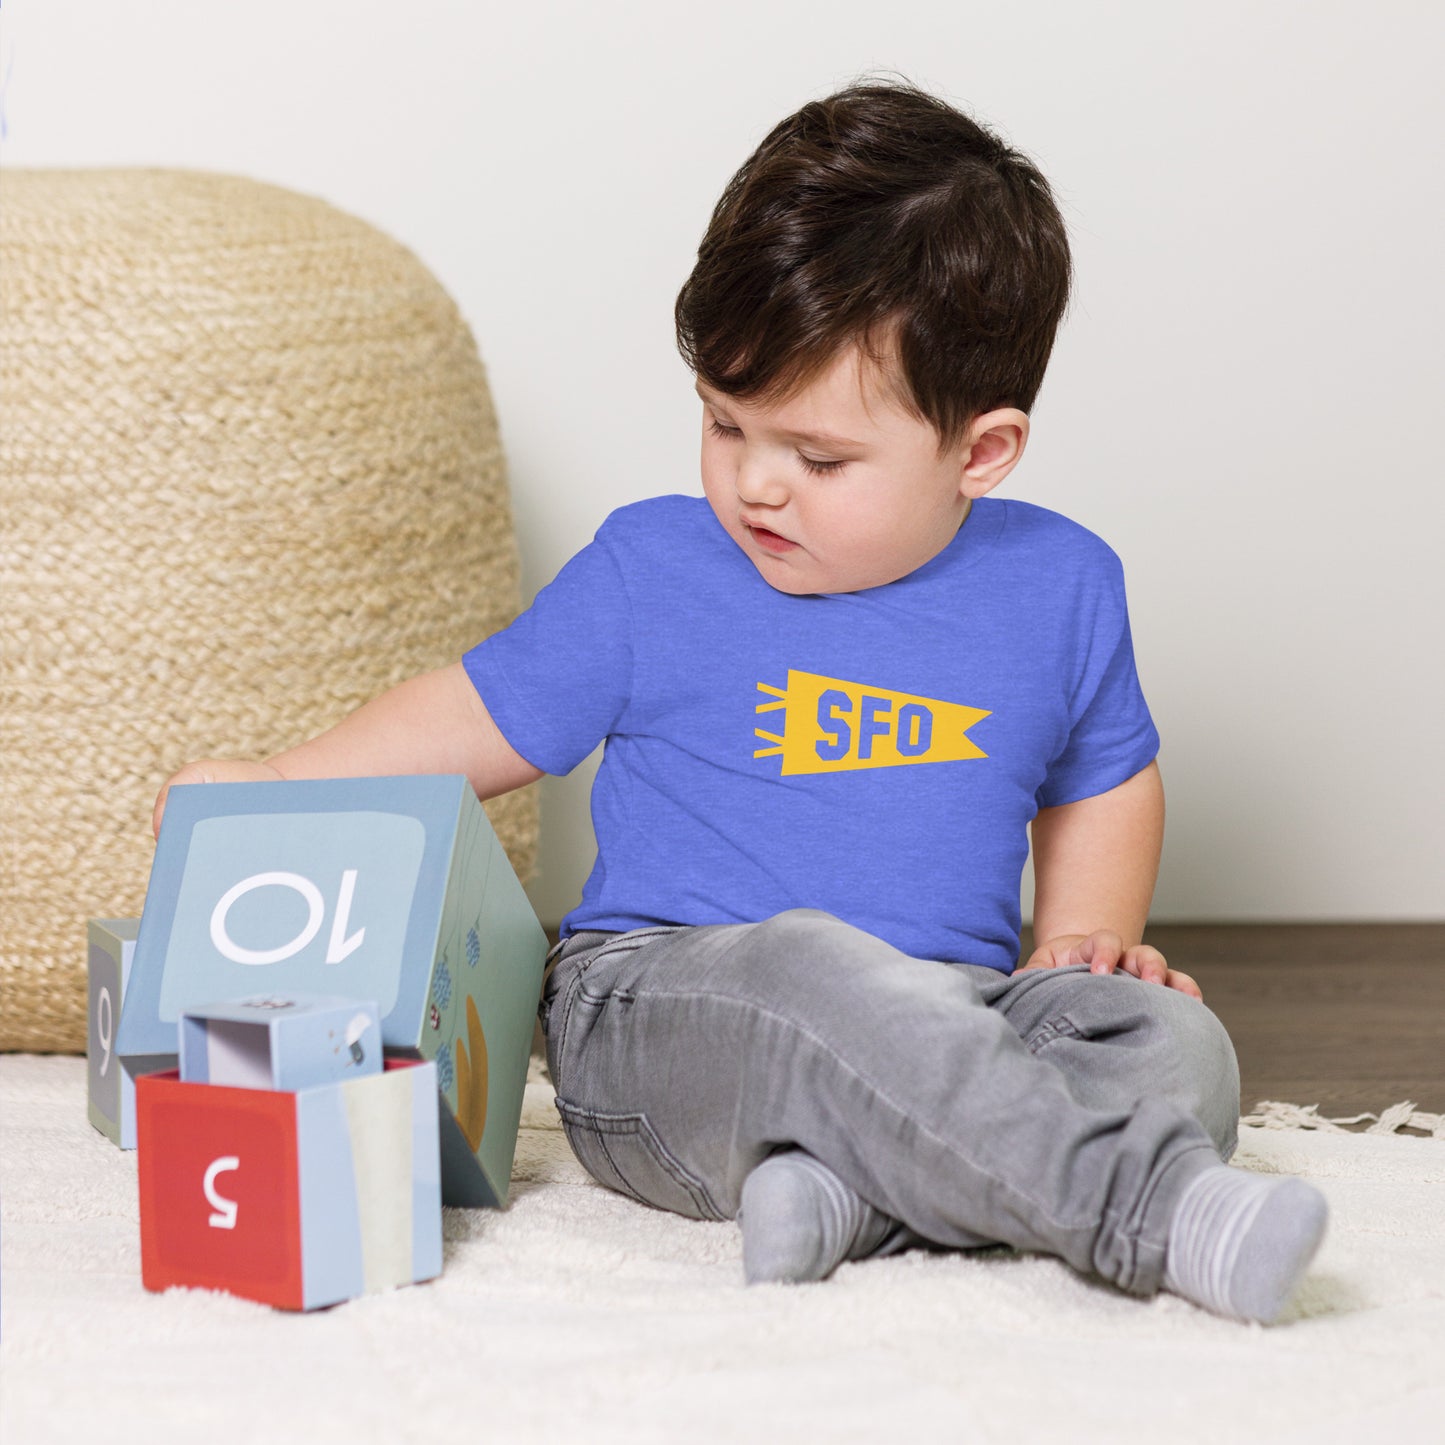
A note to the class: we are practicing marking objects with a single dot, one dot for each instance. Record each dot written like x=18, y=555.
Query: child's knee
x=809, y=941
x=834, y=976
x=1205, y=1067
x=806, y=926
x=1155, y=1040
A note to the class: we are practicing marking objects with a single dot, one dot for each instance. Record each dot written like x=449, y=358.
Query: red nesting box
x=294, y=1199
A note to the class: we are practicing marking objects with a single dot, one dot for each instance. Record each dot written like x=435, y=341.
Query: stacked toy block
x=394, y=890
x=283, y=1161
x=111, y=948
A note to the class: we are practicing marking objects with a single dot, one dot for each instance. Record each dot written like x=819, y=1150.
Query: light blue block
x=280, y=1041
x=395, y=890
x=371, y=1208
x=331, y=1260
x=111, y=1099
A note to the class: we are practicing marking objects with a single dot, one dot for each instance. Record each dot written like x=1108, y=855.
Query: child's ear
x=991, y=450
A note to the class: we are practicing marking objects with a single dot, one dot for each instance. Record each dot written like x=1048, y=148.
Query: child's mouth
x=770, y=540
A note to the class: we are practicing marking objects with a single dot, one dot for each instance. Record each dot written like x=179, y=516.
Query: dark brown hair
x=884, y=217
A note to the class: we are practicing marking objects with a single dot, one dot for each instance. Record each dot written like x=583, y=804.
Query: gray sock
x=1239, y=1243
x=800, y=1221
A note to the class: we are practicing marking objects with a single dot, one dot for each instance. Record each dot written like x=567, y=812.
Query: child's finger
x=1184, y=984
x=1146, y=964
x=191, y=773
x=1101, y=951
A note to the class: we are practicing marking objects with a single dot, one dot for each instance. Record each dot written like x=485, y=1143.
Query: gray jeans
x=1052, y=1110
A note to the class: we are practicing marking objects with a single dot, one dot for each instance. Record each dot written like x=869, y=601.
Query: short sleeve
x=1112, y=735
x=558, y=680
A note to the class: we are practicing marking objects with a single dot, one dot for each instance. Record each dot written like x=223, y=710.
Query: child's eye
x=728, y=432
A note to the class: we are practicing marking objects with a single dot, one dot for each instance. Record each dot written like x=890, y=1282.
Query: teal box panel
x=480, y=1017
x=390, y=889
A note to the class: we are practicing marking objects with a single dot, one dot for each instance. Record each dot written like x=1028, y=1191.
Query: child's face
x=838, y=488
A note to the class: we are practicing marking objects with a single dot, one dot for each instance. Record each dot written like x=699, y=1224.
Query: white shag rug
x=577, y=1315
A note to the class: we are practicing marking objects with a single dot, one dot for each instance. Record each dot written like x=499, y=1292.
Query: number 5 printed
x=225, y=1215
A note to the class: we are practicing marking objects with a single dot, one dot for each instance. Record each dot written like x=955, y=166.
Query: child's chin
x=791, y=582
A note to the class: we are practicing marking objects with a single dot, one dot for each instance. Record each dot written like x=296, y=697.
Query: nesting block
x=276, y=1042
x=297, y=1199
x=111, y=948
x=391, y=889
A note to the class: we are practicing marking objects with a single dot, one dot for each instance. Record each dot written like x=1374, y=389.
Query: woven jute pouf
x=250, y=476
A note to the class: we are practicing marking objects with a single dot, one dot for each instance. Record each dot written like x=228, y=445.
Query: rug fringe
x=1271, y=1114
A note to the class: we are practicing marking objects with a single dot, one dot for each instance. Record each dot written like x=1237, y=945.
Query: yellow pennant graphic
x=833, y=726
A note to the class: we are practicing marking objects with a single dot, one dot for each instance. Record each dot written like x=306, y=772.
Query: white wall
x=1243, y=400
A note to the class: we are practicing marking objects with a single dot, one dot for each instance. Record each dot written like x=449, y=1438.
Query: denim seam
x=1148, y=1199
x=653, y=1143
x=633, y=938
x=629, y=939
x=1130, y=1229
x=600, y=1123
x=621, y=1177
x=880, y=1093
x=604, y=951
x=623, y=1186
x=1139, y=1245
x=1051, y=1029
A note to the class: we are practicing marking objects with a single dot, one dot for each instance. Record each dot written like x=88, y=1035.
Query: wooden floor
x=1347, y=1016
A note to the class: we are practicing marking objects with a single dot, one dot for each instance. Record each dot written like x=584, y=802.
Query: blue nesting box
x=393, y=889
x=110, y=952
x=280, y=1042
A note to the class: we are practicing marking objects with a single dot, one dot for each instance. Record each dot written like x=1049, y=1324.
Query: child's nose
x=759, y=482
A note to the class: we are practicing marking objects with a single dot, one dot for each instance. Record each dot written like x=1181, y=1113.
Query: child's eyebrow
x=818, y=438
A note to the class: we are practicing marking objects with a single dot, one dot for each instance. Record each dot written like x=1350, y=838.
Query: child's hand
x=213, y=770
x=1104, y=951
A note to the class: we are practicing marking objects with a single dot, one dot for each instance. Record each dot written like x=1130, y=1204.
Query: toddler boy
x=836, y=692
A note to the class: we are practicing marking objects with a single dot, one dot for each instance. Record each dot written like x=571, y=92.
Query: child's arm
x=435, y=723
x=1095, y=863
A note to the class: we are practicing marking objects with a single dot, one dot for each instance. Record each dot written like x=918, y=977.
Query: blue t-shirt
x=875, y=754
